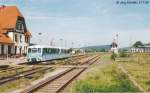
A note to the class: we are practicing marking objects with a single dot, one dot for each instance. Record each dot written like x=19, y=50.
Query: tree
x=103, y=50
x=113, y=56
x=137, y=44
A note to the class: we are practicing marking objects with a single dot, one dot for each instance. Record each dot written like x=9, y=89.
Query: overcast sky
x=85, y=22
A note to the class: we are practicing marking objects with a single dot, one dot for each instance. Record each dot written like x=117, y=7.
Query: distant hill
x=125, y=48
x=101, y=48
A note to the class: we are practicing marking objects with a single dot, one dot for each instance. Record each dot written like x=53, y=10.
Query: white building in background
x=145, y=48
x=14, y=36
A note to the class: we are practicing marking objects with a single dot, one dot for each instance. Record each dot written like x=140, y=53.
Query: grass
x=104, y=79
x=14, y=85
x=106, y=57
x=71, y=61
x=139, y=68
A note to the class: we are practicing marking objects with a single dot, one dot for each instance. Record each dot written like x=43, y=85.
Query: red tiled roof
x=8, y=16
x=8, y=19
x=4, y=38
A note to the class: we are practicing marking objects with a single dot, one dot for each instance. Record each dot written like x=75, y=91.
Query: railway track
x=22, y=74
x=58, y=82
x=5, y=68
x=10, y=69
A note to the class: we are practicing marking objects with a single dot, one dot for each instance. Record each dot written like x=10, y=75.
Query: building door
x=2, y=49
x=15, y=50
x=20, y=50
x=9, y=49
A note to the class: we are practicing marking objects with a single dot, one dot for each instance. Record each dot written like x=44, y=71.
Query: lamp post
x=52, y=42
x=117, y=39
x=72, y=44
x=65, y=43
x=79, y=45
x=61, y=42
x=40, y=34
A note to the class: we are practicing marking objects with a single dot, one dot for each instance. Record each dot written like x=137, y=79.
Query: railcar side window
x=57, y=50
x=49, y=50
x=34, y=50
x=62, y=51
x=45, y=51
x=53, y=51
x=39, y=50
x=29, y=50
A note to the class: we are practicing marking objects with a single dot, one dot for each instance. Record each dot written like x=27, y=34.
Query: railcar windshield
x=34, y=50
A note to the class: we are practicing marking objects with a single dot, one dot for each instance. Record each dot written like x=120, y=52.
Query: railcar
x=37, y=53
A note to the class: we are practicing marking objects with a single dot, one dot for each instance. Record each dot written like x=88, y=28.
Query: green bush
x=123, y=54
x=113, y=56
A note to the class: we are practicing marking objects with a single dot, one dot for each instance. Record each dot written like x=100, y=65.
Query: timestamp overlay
x=133, y=2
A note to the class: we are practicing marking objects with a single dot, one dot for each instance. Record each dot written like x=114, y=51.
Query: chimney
x=2, y=6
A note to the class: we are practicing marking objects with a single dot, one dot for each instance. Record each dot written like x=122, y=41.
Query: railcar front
x=34, y=54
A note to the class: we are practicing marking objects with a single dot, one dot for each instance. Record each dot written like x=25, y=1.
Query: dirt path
x=130, y=78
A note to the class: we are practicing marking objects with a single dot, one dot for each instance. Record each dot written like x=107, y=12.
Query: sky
x=85, y=22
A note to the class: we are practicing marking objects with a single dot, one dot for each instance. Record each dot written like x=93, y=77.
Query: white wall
x=21, y=44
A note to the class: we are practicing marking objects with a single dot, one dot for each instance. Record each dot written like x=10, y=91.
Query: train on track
x=37, y=53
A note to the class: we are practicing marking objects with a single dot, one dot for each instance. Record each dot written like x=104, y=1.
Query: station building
x=14, y=35
x=145, y=48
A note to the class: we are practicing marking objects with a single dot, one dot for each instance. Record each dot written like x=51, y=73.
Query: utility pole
x=65, y=43
x=72, y=44
x=117, y=41
x=52, y=42
x=40, y=38
x=61, y=42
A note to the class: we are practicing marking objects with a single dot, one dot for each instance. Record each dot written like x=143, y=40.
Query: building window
x=20, y=39
x=2, y=49
x=16, y=38
x=15, y=50
x=19, y=25
x=9, y=49
x=27, y=39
